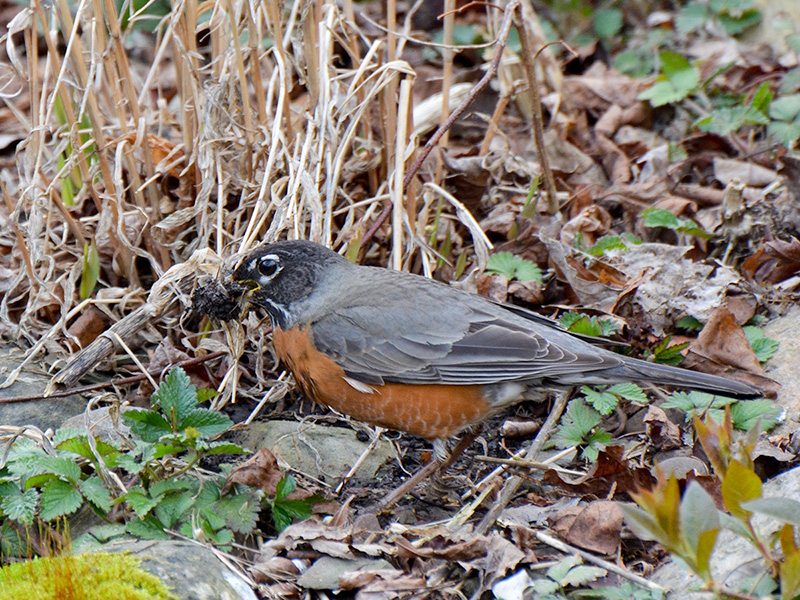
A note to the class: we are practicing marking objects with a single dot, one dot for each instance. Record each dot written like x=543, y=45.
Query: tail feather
x=639, y=370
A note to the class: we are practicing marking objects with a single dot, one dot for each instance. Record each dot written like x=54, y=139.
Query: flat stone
x=192, y=571
x=44, y=413
x=321, y=451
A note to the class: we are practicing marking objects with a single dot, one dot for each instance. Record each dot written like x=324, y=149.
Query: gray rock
x=323, y=452
x=192, y=571
x=42, y=413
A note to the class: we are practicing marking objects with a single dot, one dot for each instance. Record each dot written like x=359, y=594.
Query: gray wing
x=439, y=341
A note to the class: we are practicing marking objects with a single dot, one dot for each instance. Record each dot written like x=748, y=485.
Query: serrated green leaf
x=629, y=391
x=241, y=511
x=140, y=501
x=678, y=80
x=582, y=575
x=147, y=424
x=502, y=263
x=528, y=271
x=763, y=346
x=58, y=498
x=298, y=509
x=689, y=322
x=576, y=423
x=17, y=505
x=603, y=402
x=208, y=423
x=559, y=570
x=96, y=493
x=225, y=448
x=176, y=398
x=173, y=507
x=786, y=133
x=62, y=467
x=148, y=528
x=746, y=413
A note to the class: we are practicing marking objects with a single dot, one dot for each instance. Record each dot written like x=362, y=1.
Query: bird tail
x=635, y=369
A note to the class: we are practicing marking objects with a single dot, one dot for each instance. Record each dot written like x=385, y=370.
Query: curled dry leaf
x=610, y=471
x=595, y=527
x=774, y=261
x=663, y=433
x=261, y=471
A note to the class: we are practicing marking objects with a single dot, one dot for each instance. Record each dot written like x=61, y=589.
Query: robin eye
x=268, y=267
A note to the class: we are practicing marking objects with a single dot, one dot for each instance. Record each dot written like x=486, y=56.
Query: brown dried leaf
x=261, y=471
x=88, y=326
x=773, y=262
x=610, y=471
x=663, y=433
x=723, y=341
x=595, y=527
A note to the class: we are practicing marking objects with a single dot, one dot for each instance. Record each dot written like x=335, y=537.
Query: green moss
x=81, y=577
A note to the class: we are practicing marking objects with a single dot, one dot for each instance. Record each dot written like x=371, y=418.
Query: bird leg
x=440, y=461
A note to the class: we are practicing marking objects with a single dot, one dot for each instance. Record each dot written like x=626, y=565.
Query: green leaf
x=241, y=511
x=607, y=22
x=17, y=505
x=148, y=528
x=225, y=448
x=285, y=487
x=740, y=485
x=140, y=501
x=173, y=507
x=746, y=413
x=691, y=17
x=786, y=108
x=96, y=493
x=176, y=398
x=782, y=509
x=604, y=402
x=659, y=217
x=298, y=509
x=628, y=391
x=689, y=322
x=147, y=424
x=584, y=325
x=91, y=270
x=209, y=423
x=790, y=576
x=559, y=570
x=698, y=514
x=736, y=25
x=696, y=403
x=678, y=80
x=511, y=267
x=58, y=498
x=581, y=575
x=763, y=346
x=786, y=133
x=282, y=518
x=576, y=423
x=762, y=99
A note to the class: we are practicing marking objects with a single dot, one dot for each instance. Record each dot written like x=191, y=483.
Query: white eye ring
x=268, y=266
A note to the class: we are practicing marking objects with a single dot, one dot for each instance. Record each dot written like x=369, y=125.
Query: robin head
x=286, y=279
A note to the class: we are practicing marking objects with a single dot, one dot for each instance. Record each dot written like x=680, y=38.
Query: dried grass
x=218, y=145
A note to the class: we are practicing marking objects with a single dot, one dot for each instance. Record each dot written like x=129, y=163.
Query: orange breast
x=429, y=411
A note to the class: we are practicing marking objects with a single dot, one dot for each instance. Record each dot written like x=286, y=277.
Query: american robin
x=412, y=354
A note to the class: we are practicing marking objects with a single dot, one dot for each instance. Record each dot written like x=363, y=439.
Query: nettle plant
x=142, y=486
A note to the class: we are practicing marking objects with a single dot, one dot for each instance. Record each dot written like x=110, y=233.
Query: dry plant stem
x=399, y=169
x=608, y=566
x=512, y=484
x=95, y=116
x=85, y=389
x=434, y=139
x=447, y=80
x=528, y=58
x=53, y=56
